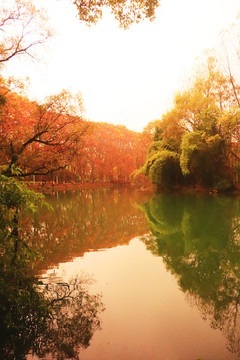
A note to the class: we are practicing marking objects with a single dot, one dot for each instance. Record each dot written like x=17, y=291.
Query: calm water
x=166, y=269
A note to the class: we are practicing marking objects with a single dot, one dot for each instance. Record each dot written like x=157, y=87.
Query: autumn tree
x=40, y=138
x=108, y=154
x=22, y=27
x=144, y=140
x=125, y=12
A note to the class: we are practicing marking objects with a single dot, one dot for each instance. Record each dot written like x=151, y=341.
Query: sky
x=126, y=77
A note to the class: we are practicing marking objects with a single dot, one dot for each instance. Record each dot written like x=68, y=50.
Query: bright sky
x=127, y=76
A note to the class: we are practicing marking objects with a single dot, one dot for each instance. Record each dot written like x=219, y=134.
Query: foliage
x=40, y=139
x=48, y=138
x=201, y=156
x=237, y=172
x=52, y=137
x=191, y=142
x=109, y=153
x=22, y=27
x=126, y=12
x=162, y=163
x=164, y=168
x=15, y=202
x=202, y=130
x=14, y=195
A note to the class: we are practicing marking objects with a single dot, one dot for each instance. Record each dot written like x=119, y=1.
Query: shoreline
x=48, y=186
x=142, y=187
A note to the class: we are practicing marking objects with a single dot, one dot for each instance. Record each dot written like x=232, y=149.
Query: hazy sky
x=126, y=76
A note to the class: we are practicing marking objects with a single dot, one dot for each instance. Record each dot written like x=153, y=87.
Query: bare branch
x=232, y=80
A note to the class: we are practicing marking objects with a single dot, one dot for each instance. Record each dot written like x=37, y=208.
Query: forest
x=50, y=141
x=195, y=144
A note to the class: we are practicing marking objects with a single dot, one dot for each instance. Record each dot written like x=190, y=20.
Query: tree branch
x=47, y=172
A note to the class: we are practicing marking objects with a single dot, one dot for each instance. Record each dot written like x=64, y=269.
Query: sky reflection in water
x=168, y=302
x=168, y=292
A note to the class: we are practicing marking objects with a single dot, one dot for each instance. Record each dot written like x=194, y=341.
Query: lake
x=165, y=270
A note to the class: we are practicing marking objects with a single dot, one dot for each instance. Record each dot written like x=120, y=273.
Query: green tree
x=162, y=163
x=197, y=135
x=202, y=159
x=15, y=202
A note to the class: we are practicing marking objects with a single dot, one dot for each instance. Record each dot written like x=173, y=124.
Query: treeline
x=109, y=153
x=52, y=141
x=196, y=143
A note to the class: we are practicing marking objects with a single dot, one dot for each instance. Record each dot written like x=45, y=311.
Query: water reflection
x=199, y=241
x=45, y=319
x=84, y=221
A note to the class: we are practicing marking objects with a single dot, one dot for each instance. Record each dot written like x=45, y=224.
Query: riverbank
x=49, y=186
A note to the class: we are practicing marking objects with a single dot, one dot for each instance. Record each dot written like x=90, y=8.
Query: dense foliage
x=39, y=138
x=53, y=138
x=196, y=143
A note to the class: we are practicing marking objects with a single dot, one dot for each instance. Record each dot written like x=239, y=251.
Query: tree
x=126, y=12
x=198, y=135
x=108, y=153
x=22, y=27
x=15, y=202
x=40, y=139
x=202, y=160
x=162, y=163
x=144, y=141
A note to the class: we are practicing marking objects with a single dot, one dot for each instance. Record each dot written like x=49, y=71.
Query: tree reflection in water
x=59, y=318
x=199, y=241
x=84, y=221
x=40, y=318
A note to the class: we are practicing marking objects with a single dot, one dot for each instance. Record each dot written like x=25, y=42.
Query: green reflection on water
x=58, y=318
x=198, y=238
x=45, y=318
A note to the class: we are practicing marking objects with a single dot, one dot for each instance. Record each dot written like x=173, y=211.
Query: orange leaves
x=109, y=153
x=40, y=138
x=43, y=138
